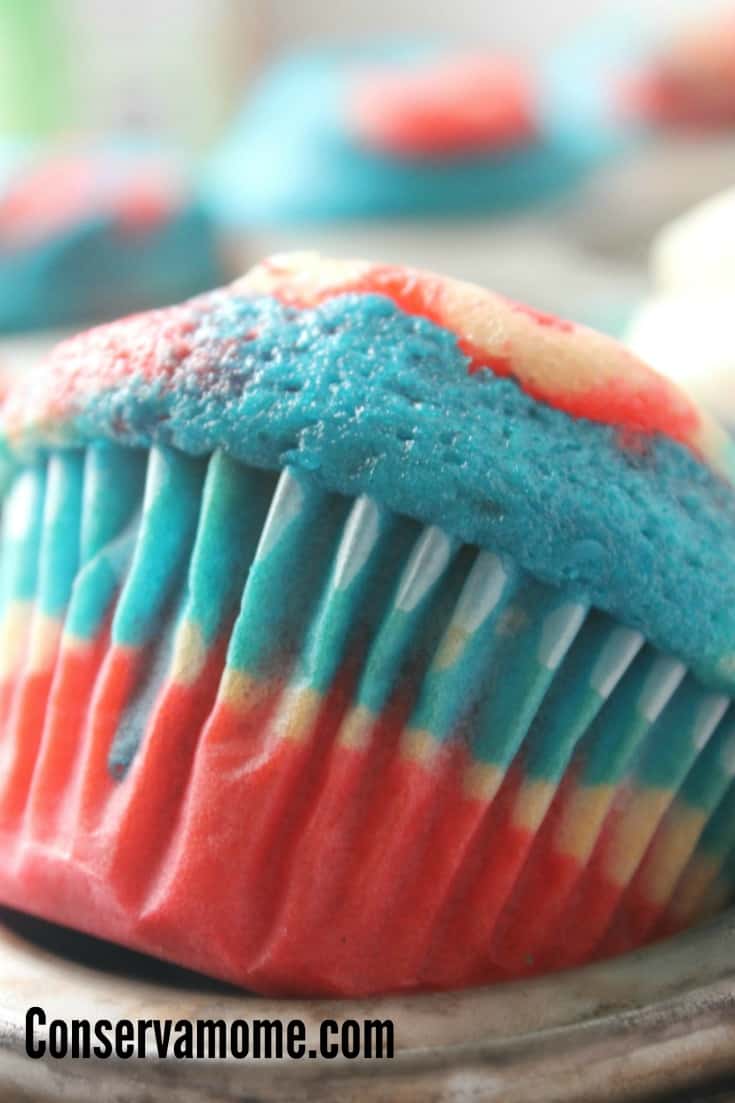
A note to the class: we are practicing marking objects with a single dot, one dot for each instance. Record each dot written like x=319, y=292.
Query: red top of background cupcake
x=691, y=82
x=456, y=106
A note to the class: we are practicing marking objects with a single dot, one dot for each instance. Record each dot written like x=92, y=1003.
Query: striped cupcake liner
x=301, y=743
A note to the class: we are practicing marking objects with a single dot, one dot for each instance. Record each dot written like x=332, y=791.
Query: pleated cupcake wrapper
x=303, y=744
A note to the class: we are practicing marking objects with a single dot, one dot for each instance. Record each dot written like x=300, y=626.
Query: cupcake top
x=389, y=129
x=509, y=429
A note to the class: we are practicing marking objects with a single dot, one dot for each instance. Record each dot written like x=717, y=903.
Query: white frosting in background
x=686, y=329
x=691, y=339
x=697, y=251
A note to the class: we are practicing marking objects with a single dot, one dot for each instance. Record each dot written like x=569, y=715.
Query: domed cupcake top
x=450, y=404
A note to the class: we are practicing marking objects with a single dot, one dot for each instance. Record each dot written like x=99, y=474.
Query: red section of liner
x=289, y=866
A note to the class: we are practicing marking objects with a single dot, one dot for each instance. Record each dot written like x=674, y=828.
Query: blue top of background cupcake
x=509, y=429
x=310, y=143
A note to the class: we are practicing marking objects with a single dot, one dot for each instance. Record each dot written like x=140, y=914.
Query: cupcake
x=655, y=96
x=387, y=129
x=684, y=325
x=364, y=631
x=447, y=154
x=88, y=234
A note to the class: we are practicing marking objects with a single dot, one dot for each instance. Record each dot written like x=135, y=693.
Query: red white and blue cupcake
x=361, y=631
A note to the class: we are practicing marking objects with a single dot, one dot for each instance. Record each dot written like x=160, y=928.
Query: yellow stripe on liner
x=13, y=635
x=419, y=745
x=633, y=831
x=356, y=728
x=692, y=890
x=583, y=815
x=298, y=715
x=482, y=780
x=671, y=852
x=76, y=645
x=240, y=691
x=44, y=643
x=190, y=653
x=532, y=804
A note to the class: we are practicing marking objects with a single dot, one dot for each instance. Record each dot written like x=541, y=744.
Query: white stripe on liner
x=287, y=502
x=428, y=560
x=19, y=508
x=358, y=540
x=709, y=714
x=480, y=593
x=559, y=629
x=618, y=652
x=660, y=685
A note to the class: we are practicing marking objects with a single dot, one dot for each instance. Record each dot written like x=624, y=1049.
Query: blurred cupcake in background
x=89, y=233
x=444, y=155
x=391, y=619
x=387, y=130
x=690, y=80
x=685, y=327
x=653, y=93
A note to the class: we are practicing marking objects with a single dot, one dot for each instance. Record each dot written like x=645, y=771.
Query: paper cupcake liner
x=301, y=743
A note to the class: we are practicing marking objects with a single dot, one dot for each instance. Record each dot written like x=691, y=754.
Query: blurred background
x=173, y=68
x=178, y=67
x=151, y=149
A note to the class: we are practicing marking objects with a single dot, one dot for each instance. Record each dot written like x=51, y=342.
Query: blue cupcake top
x=507, y=428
